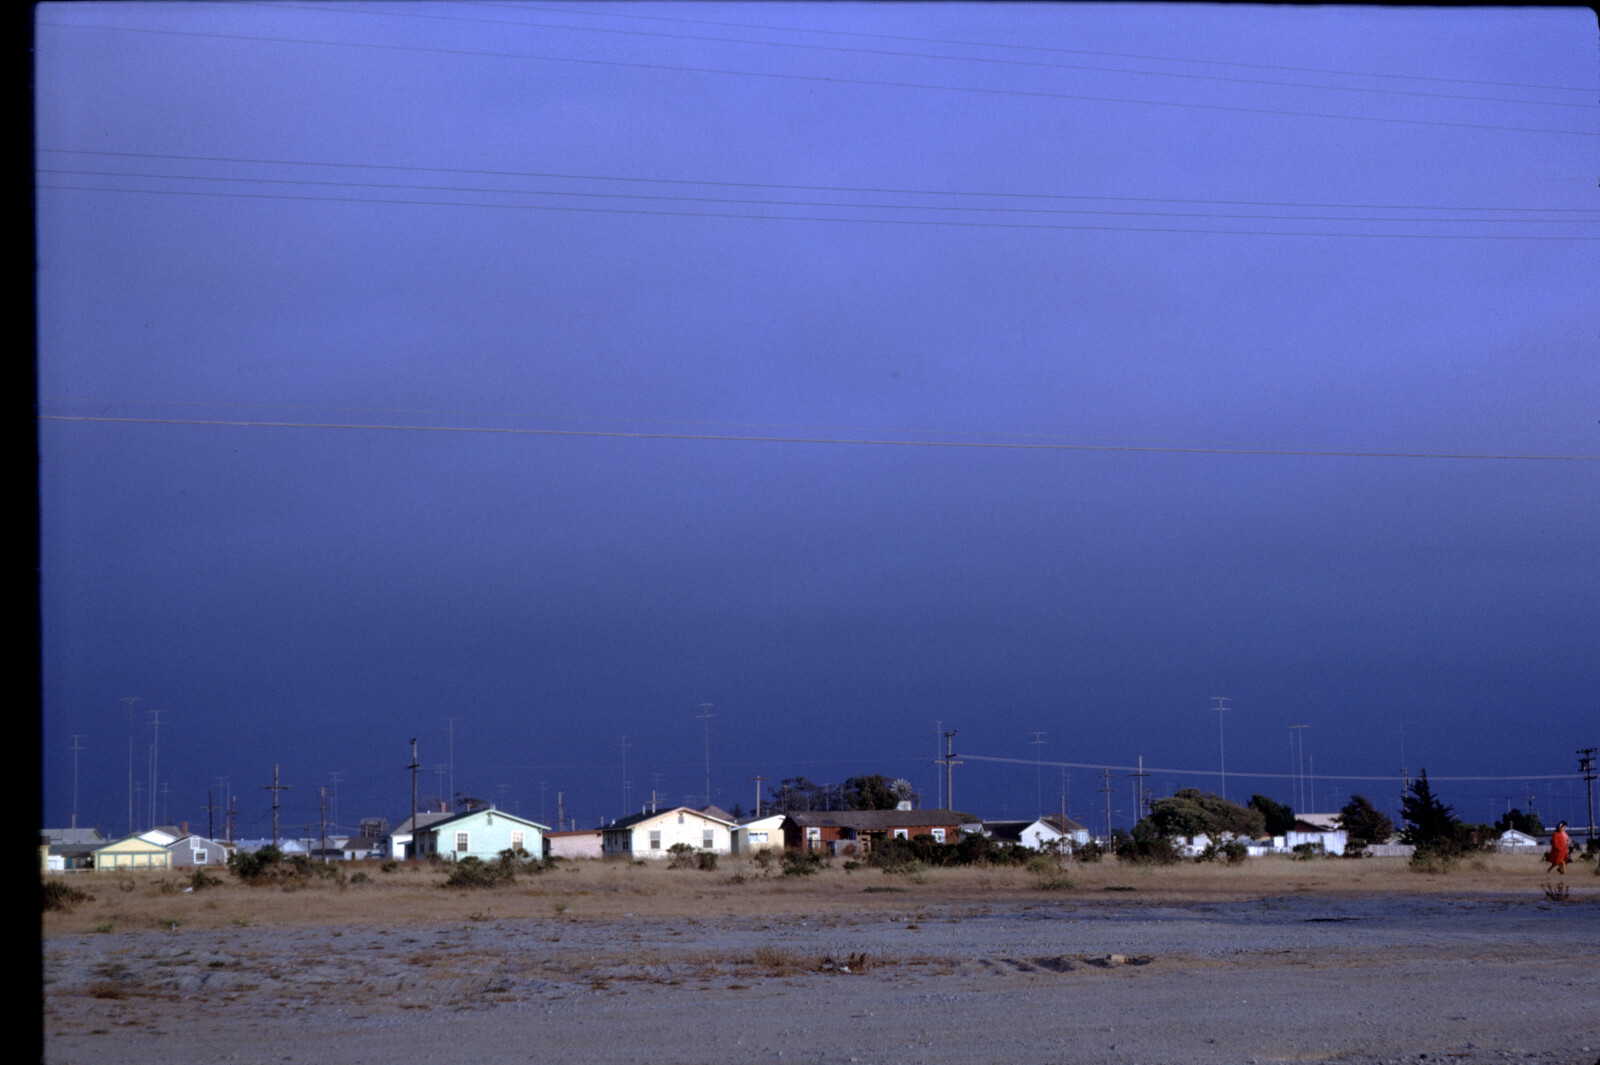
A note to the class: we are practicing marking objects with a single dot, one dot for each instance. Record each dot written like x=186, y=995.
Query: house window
x=680, y=817
x=758, y=837
x=655, y=841
x=517, y=841
x=708, y=839
x=938, y=835
x=461, y=843
x=901, y=833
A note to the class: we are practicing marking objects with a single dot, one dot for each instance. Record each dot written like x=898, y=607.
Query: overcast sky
x=1037, y=372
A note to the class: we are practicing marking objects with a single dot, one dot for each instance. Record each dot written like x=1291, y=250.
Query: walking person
x=1560, y=844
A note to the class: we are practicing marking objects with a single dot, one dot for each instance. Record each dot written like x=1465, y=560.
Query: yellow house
x=147, y=850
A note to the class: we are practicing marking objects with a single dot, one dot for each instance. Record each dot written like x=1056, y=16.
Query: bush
x=706, y=861
x=199, y=880
x=389, y=866
x=472, y=872
x=1088, y=852
x=1147, y=850
x=1234, y=852
x=62, y=896
x=680, y=856
x=801, y=863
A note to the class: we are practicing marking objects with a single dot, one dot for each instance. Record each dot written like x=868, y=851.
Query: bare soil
x=1275, y=960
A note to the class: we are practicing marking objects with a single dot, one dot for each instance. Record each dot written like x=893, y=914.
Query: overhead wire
x=730, y=438
x=824, y=79
x=875, y=189
x=413, y=187
x=611, y=11
x=886, y=53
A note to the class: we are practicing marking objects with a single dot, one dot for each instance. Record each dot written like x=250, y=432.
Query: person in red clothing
x=1560, y=844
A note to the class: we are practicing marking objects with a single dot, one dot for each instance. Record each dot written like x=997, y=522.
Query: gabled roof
x=880, y=820
x=446, y=820
x=640, y=818
x=424, y=819
x=719, y=813
x=72, y=835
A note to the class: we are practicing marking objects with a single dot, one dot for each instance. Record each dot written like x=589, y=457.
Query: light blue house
x=481, y=834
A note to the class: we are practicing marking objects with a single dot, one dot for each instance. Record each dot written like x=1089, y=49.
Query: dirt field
x=1277, y=960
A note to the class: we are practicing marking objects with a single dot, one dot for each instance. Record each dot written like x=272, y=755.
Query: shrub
x=680, y=856
x=62, y=896
x=1088, y=852
x=473, y=872
x=389, y=866
x=1147, y=850
x=801, y=863
x=199, y=880
x=706, y=861
x=1234, y=852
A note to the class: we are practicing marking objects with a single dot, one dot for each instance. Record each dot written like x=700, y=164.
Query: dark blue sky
x=560, y=368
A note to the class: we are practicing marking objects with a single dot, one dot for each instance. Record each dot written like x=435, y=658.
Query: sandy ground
x=1000, y=975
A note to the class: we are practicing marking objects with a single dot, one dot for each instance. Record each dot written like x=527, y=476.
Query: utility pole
x=1138, y=789
x=937, y=725
x=130, y=700
x=561, y=808
x=411, y=847
x=1038, y=772
x=334, y=778
x=211, y=824
x=75, y=749
x=322, y=839
x=275, y=787
x=1222, y=761
x=452, y=723
x=1586, y=764
x=949, y=777
x=626, y=806
x=705, y=715
x=1105, y=787
x=1297, y=746
x=759, y=781
x=233, y=816
x=155, y=759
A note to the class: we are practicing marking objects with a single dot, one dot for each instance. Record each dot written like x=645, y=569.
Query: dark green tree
x=1364, y=822
x=1523, y=822
x=1191, y=811
x=869, y=793
x=1429, y=822
x=796, y=794
x=1279, y=818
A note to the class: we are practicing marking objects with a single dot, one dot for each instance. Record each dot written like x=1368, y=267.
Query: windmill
x=902, y=791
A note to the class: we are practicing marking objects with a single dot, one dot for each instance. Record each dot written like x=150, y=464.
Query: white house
x=653, y=835
x=1513, y=842
x=1319, y=830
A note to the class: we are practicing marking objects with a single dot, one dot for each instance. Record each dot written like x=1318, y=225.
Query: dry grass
x=578, y=890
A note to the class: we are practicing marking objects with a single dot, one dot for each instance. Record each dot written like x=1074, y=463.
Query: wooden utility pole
x=275, y=787
x=759, y=781
x=1105, y=775
x=949, y=760
x=411, y=847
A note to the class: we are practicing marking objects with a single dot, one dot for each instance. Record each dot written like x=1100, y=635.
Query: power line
x=871, y=82
x=997, y=445
x=611, y=12
x=875, y=189
x=814, y=218
x=784, y=203
x=888, y=53
x=1262, y=776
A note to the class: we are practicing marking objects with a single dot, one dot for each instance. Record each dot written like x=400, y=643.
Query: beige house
x=653, y=835
x=147, y=850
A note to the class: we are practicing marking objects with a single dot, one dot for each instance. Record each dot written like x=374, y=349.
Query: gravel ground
x=1370, y=979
